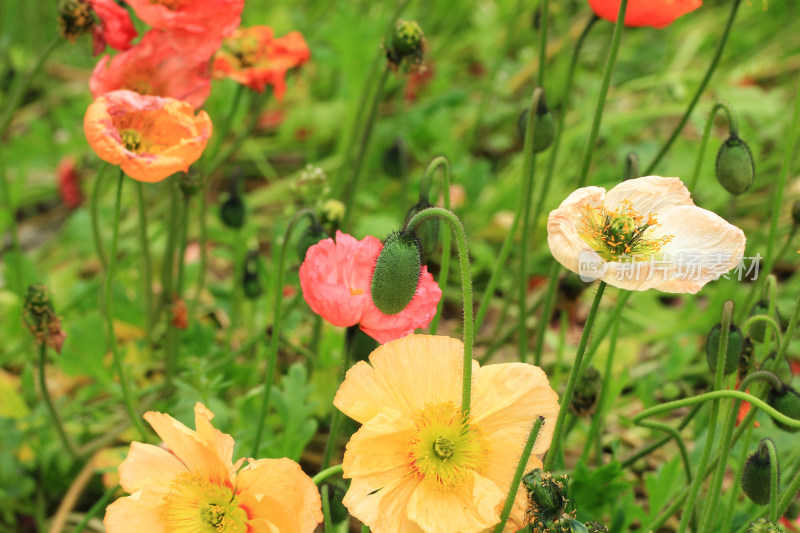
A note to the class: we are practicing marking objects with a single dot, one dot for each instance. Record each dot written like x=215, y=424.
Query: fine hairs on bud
x=735, y=167
x=786, y=402
x=756, y=474
x=734, y=352
x=397, y=272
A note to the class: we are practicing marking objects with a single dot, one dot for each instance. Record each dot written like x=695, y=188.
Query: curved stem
x=574, y=374
x=656, y=445
x=444, y=270
x=466, y=294
x=672, y=432
x=109, y=312
x=631, y=166
x=773, y=480
x=518, y=473
x=93, y=210
x=325, y=474
x=336, y=415
x=57, y=421
x=766, y=320
x=601, y=96
x=147, y=277
x=733, y=126
x=714, y=61
x=277, y=295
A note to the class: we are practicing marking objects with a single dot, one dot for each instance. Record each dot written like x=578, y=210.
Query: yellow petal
x=384, y=510
x=381, y=445
x=148, y=466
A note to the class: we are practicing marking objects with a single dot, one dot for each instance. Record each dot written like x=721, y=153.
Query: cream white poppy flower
x=645, y=233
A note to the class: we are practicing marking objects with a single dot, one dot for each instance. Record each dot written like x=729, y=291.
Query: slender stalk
x=733, y=126
x=547, y=310
x=277, y=299
x=366, y=135
x=99, y=505
x=650, y=448
x=595, y=430
x=168, y=261
x=19, y=89
x=326, y=510
x=573, y=377
x=325, y=474
x=518, y=473
x=466, y=294
x=147, y=276
x=601, y=97
x=444, y=271
x=14, y=264
x=336, y=416
x=225, y=127
x=57, y=421
x=714, y=61
x=674, y=434
x=364, y=528
x=545, y=23
x=109, y=312
x=203, y=241
x=631, y=166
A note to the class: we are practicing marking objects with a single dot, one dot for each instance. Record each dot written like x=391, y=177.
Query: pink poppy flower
x=154, y=67
x=336, y=276
x=115, y=29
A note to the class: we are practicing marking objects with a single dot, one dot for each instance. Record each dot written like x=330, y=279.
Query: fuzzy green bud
x=756, y=475
x=397, y=272
x=584, y=399
x=545, y=129
x=427, y=231
x=251, y=283
x=39, y=316
x=407, y=47
x=232, y=210
x=735, y=348
x=735, y=167
x=786, y=402
x=546, y=492
x=310, y=236
x=758, y=331
x=762, y=525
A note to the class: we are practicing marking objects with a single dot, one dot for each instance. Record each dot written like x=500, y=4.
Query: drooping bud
x=396, y=159
x=596, y=527
x=232, y=210
x=584, y=399
x=427, y=231
x=397, y=272
x=756, y=475
x=735, y=167
x=251, y=283
x=758, y=331
x=310, y=236
x=762, y=525
x=407, y=48
x=545, y=491
x=545, y=129
x=734, y=352
x=786, y=402
x=40, y=318
x=74, y=18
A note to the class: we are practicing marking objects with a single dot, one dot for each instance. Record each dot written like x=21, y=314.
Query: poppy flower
x=149, y=137
x=196, y=26
x=644, y=233
x=69, y=185
x=255, y=58
x=195, y=486
x=655, y=13
x=336, y=276
x=416, y=464
x=156, y=68
x=115, y=28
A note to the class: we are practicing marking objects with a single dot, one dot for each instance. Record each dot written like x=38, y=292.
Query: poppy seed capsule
x=735, y=348
x=544, y=131
x=786, y=402
x=584, y=399
x=735, y=167
x=396, y=275
x=762, y=525
x=756, y=475
x=427, y=231
x=310, y=236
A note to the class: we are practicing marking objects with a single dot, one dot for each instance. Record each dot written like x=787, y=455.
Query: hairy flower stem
x=702, y=87
x=574, y=374
x=466, y=294
x=168, y=260
x=325, y=474
x=518, y=473
x=733, y=127
x=336, y=415
x=57, y=421
x=326, y=509
x=596, y=428
x=109, y=314
x=277, y=301
x=147, y=276
x=650, y=448
x=444, y=266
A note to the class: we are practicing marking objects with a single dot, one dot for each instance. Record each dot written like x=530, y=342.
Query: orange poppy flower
x=149, y=137
x=154, y=67
x=195, y=486
x=255, y=58
x=655, y=13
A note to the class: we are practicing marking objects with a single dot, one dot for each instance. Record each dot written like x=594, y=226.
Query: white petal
x=562, y=231
x=650, y=194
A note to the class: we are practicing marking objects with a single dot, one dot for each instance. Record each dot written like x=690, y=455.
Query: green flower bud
x=584, y=398
x=74, y=18
x=735, y=167
x=426, y=232
x=396, y=275
x=232, y=210
x=407, y=47
x=251, y=284
x=756, y=475
x=596, y=527
x=786, y=402
x=784, y=370
x=545, y=492
x=758, y=331
x=308, y=238
x=762, y=525
x=735, y=348
x=545, y=130
x=396, y=159
x=39, y=316
x=190, y=183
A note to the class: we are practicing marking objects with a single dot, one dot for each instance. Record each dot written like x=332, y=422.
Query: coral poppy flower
x=255, y=58
x=156, y=68
x=195, y=487
x=655, y=13
x=336, y=276
x=644, y=233
x=415, y=464
x=69, y=182
x=197, y=26
x=149, y=137
x=115, y=29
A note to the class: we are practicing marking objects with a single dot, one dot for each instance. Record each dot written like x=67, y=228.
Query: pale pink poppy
x=645, y=233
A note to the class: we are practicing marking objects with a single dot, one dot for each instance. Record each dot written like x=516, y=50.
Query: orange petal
x=136, y=513
x=148, y=466
x=383, y=510
x=380, y=446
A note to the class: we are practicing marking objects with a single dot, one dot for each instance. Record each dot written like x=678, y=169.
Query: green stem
x=466, y=294
x=15, y=263
x=766, y=320
x=99, y=505
x=203, y=240
x=147, y=277
x=631, y=166
x=602, y=331
x=168, y=261
x=366, y=135
x=239, y=254
x=255, y=110
x=364, y=528
x=444, y=270
x=601, y=97
x=544, y=17
x=573, y=376
x=325, y=474
x=98, y=240
x=595, y=429
x=277, y=299
x=57, y=421
x=518, y=473
x=674, y=434
x=326, y=510
x=109, y=312
x=773, y=480
x=225, y=127
x=336, y=416
x=700, y=89
x=733, y=127
x=19, y=89
x=650, y=448
x=547, y=310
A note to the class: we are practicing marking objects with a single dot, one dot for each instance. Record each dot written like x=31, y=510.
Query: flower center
x=356, y=292
x=132, y=140
x=196, y=504
x=621, y=233
x=246, y=50
x=445, y=448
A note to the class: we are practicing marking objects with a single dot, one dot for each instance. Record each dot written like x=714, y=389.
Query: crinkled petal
x=381, y=445
x=383, y=510
x=471, y=506
x=649, y=195
x=149, y=466
x=136, y=513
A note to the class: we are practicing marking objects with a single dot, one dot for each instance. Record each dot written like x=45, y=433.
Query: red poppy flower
x=156, y=68
x=655, y=13
x=69, y=187
x=115, y=29
x=255, y=58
